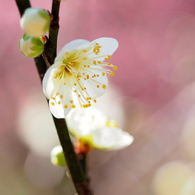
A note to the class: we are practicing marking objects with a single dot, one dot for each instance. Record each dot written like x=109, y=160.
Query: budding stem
x=77, y=174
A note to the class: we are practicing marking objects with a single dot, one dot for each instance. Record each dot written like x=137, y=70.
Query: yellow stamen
x=104, y=86
x=114, y=67
x=112, y=73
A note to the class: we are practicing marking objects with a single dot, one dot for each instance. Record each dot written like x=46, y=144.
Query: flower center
x=78, y=66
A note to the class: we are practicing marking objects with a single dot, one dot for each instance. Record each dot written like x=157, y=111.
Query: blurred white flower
x=31, y=46
x=35, y=22
x=40, y=173
x=76, y=78
x=95, y=129
x=174, y=178
x=35, y=124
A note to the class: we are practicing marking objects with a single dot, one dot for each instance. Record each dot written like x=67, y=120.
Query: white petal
x=73, y=45
x=49, y=84
x=91, y=85
x=109, y=46
x=83, y=121
x=57, y=110
x=111, y=138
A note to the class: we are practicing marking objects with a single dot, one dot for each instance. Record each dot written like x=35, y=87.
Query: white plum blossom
x=35, y=22
x=94, y=128
x=77, y=76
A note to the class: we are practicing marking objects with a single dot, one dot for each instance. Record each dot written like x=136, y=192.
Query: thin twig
x=46, y=60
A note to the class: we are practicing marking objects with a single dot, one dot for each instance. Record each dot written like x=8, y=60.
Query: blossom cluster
x=73, y=83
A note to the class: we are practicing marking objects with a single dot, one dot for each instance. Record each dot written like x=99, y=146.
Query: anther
x=114, y=67
x=112, y=73
x=104, y=86
x=108, y=57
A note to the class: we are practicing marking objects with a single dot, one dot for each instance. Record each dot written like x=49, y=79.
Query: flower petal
x=57, y=109
x=49, y=84
x=73, y=45
x=111, y=138
x=97, y=86
x=83, y=121
x=108, y=47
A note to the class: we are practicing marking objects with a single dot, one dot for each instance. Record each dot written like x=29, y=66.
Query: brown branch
x=76, y=171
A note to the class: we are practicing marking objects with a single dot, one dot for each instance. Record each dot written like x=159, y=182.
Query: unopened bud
x=35, y=22
x=57, y=156
x=31, y=46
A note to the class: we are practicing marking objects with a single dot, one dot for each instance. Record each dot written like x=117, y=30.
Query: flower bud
x=35, y=22
x=57, y=156
x=31, y=46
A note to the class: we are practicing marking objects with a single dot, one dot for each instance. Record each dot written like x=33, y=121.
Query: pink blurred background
x=154, y=80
